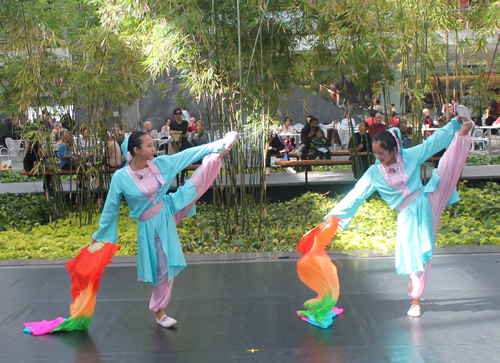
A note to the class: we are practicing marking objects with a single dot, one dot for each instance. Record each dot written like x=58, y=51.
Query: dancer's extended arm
x=348, y=206
x=177, y=162
x=108, y=227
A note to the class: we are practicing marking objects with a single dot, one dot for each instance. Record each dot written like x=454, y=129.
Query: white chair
x=298, y=127
x=344, y=137
x=494, y=138
x=14, y=148
x=478, y=139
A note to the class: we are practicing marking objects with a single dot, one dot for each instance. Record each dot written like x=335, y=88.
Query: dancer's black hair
x=135, y=140
x=386, y=140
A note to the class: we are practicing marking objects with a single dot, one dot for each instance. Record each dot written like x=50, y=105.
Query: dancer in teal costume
x=396, y=177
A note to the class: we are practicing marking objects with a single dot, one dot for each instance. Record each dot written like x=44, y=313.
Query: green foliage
x=483, y=160
x=16, y=177
x=472, y=221
x=23, y=211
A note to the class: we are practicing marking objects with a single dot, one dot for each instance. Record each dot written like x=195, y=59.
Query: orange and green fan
x=316, y=270
x=86, y=271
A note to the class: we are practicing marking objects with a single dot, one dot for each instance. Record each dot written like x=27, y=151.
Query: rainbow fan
x=316, y=270
x=86, y=271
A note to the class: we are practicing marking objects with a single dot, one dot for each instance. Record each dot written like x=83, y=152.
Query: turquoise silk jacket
x=166, y=168
x=415, y=238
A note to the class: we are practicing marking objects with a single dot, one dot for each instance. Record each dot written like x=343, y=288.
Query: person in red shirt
x=393, y=121
x=427, y=121
x=191, y=126
x=370, y=120
x=376, y=126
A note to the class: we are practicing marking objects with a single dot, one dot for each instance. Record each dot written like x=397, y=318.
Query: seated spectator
x=347, y=121
x=149, y=131
x=427, y=121
x=286, y=128
x=370, y=120
x=179, y=137
x=56, y=132
x=32, y=156
x=377, y=106
x=276, y=147
x=306, y=135
x=377, y=126
x=393, y=121
x=165, y=129
x=192, y=124
x=289, y=143
x=403, y=127
x=199, y=136
x=115, y=157
x=491, y=117
x=186, y=116
x=319, y=146
x=363, y=142
x=118, y=135
x=65, y=156
x=86, y=144
x=408, y=139
x=441, y=122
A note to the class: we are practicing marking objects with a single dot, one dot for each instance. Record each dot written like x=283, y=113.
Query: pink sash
x=151, y=212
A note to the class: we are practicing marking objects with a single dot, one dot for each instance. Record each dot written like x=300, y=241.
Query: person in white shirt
x=347, y=120
x=166, y=128
x=286, y=128
x=185, y=114
x=149, y=131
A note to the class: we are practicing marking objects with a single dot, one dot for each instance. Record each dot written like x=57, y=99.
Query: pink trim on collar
x=394, y=180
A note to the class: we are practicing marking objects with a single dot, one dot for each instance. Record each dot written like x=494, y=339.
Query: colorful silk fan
x=317, y=271
x=86, y=271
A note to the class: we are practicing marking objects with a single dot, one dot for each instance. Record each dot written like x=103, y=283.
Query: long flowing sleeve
x=348, y=206
x=108, y=227
x=175, y=163
x=436, y=142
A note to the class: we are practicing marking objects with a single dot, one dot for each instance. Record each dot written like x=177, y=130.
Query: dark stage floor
x=226, y=309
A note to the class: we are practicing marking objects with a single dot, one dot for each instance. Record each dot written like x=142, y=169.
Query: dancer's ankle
x=160, y=313
x=415, y=302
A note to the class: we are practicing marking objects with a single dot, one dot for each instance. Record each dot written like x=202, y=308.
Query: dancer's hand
x=224, y=151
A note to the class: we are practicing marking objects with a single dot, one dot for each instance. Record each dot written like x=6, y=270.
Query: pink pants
x=449, y=169
x=202, y=178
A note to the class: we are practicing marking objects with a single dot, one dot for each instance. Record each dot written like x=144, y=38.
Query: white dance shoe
x=166, y=321
x=414, y=311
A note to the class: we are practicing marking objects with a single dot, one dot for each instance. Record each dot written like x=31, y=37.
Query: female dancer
x=144, y=184
x=396, y=176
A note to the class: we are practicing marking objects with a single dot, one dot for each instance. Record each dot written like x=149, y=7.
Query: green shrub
x=19, y=211
x=483, y=160
x=16, y=177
